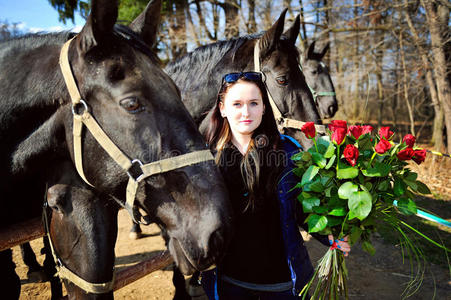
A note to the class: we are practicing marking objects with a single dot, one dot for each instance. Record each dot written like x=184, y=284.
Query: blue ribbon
x=427, y=216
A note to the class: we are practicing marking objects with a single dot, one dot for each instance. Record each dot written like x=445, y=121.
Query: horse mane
x=203, y=60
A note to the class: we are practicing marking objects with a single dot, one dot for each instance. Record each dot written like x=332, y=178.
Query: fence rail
x=27, y=231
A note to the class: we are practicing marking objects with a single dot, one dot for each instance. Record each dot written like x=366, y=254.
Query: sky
x=35, y=15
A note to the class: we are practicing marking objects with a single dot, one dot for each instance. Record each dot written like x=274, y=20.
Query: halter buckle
x=76, y=109
x=135, y=167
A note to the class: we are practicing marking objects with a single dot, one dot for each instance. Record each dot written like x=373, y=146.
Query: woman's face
x=243, y=107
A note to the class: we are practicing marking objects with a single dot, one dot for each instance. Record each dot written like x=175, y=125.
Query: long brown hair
x=265, y=138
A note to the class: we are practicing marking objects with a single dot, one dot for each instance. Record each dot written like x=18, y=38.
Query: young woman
x=266, y=259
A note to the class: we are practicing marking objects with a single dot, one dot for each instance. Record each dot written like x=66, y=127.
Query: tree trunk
x=440, y=63
x=251, y=23
x=231, y=8
x=404, y=83
x=304, y=38
x=437, y=130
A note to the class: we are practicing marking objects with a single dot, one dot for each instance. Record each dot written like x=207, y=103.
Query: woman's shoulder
x=289, y=144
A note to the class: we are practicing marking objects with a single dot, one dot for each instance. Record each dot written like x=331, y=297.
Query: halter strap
x=64, y=273
x=280, y=120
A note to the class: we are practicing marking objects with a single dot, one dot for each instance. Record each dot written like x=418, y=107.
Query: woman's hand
x=341, y=244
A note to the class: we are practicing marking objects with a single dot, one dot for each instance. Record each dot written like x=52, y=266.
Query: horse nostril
x=331, y=110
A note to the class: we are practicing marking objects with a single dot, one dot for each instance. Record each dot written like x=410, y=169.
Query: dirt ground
x=382, y=276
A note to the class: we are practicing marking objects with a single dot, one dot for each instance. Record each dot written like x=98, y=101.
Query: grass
x=440, y=234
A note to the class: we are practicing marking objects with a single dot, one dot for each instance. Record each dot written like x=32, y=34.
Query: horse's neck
x=198, y=75
x=29, y=98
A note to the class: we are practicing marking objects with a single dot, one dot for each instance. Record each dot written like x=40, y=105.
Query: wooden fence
x=33, y=229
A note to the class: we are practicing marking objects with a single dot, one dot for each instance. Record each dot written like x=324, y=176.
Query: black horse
x=139, y=108
x=319, y=81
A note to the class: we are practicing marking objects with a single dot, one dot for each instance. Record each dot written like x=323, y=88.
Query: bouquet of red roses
x=349, y=179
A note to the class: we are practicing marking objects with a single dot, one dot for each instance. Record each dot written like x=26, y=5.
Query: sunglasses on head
x=233, y=77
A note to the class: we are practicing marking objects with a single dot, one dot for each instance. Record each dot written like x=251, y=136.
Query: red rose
x=419, y=156
x=405, y=154
x=338, y=124
x=339, y=135
x=385, y=133
x=309, y=130
x=382, y=146
x=355, y=131
x=351, y=153
x=367, y=129
x=409, y=140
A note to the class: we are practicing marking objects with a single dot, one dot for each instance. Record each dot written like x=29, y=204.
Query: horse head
x=82, y=232
x=319, y=81
x=285, y=82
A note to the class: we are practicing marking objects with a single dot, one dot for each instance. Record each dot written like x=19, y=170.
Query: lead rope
x=280, y=120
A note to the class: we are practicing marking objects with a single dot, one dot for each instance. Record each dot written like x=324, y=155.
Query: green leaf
x=331, y=162
x=320, y=209
x=347, y=172
x=330, y=151
x=332, y=221
x=308, y=204
x=384, y=185
x=407, y=206
x=299, y=172
x=360, y=204
x=321, y=149
x=309, y=174
x=379, y=170
x=365, y=143
x=323, y=140
x=319, y=160
x=338, y=212
x=411, y=176
x=412, y=184
x=356, y=232
x=346, y=189
x=368, y=247
x=331, y=191
x=399, y=187
x=297, y=156
x=306, y=156
x=316, y=223
x=317, y=186
x=422, y=188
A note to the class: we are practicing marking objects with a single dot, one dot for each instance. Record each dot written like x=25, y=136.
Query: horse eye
x=314, y=72
x=282, y=80
x=131, y=105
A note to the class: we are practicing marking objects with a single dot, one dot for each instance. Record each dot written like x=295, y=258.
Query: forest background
x=390, y=60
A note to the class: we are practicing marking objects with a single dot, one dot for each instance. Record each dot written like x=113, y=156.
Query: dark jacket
x=291, y=216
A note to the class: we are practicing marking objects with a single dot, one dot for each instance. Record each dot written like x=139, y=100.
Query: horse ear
x=293, y=32
x=323, y=52
x=311, y=50
x=146, y=24
x=272, y=36
x=100, y=23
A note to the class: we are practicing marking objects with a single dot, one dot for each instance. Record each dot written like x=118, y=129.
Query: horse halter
x=316, y=94
x=63, y=272
x=280, y=120
x=147, y=170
